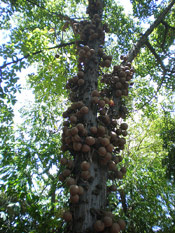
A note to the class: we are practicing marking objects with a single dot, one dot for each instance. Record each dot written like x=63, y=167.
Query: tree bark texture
x=94, y=197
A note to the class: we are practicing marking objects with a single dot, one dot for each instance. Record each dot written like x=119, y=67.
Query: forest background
x=41, y=39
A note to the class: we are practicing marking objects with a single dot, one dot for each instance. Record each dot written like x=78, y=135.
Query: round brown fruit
x=80, y=127
x=107, y=221
x=76, y=138
x=95, y=93
x=101, y=130
x=85, y=175
x=90, y=140
x=107, y=63
x=70, y=181
x=66, y=172
x=67, y=216
x=99, y=226
x=74, y=199
x=81, y=190
x=85, y=148
x=80, y=74
x=112, y=166
x=81, y=82
x=77, y=146
x=84, y=110
x=70, y=164
x=110, y=148
x=124, y=133
x=102, y=151
x=122, y=224
x=74, y=189
x=115, y=228
x=124, y=126
x=101, y=103
x=107, y=101
x=74, y=130
x=93, y=130
x=108, y=156
x=73, y=119
x=95, y=99
x=104, y=141
x=100, y=51
x=118, y=93
x=85, y=166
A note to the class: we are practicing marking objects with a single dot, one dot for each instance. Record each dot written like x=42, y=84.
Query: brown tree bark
x=94, y=197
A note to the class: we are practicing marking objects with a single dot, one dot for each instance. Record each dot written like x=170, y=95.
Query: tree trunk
x=101, y=114
x=94, y=197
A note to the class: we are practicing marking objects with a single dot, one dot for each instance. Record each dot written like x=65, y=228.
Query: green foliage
x=29, y=173
x=146, y=196
x=168, y=136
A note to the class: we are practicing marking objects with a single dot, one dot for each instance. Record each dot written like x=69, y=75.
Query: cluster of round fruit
x=106, y=137
x=91, y=30
x=118, y=82
x=105, y=224
x=94, y=143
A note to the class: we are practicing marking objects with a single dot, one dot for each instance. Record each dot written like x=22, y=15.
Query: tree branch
x=136, y=49
x=159, y=60
x=153, y=51
x=35, y=53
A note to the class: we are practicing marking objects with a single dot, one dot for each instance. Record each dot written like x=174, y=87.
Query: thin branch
x=136, y=49
x=35, y=53
x=153, y=51
x=159, y=60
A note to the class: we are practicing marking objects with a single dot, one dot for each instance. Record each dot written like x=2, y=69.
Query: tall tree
x=93, y=132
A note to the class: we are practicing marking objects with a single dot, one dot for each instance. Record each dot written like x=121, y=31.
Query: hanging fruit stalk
x=92, y=132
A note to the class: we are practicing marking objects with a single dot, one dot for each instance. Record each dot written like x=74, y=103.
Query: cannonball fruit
x=115, y=228
x=67, y=216
x=99, y=226
x=74, y=189
x=85, y=166
x=74, y=199
x=124, y=126
x=102, y=151
x=90, y=140
x=107, y=221
x=70, y=181
x=122, y=224
x=81, y=190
